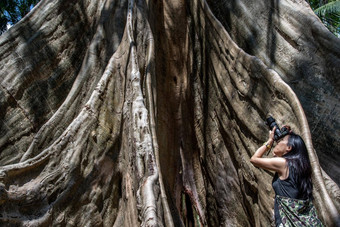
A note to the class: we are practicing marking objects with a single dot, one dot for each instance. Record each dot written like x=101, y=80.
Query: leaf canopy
x=11, y=11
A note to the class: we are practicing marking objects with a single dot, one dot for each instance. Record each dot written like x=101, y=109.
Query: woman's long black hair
x=298, y=160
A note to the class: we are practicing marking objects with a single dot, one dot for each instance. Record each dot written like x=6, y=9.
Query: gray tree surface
x=146, y=113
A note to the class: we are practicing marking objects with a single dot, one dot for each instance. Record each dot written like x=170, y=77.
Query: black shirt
x=286, y=188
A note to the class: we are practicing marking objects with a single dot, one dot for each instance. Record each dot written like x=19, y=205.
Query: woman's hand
x=271, y=136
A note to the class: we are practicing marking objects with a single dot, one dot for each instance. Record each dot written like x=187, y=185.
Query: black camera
x=278, y=133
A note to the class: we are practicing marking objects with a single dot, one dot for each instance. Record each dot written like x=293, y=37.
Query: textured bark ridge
x=146, y=113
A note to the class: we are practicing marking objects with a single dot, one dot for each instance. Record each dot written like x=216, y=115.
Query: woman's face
x=282, y=147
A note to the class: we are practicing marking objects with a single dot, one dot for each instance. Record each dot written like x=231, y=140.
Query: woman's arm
x=276, y=164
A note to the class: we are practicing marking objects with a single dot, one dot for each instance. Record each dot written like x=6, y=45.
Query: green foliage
x=331, y=7
x=329, y=13
x=11, y=11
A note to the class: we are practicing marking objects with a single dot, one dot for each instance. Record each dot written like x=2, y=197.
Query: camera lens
x=271, y=123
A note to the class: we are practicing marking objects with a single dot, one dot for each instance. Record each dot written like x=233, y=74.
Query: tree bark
x=146, y=113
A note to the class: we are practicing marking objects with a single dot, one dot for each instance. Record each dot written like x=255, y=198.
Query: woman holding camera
x=292, y=181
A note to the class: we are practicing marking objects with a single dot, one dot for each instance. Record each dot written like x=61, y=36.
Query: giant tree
x=128, y=113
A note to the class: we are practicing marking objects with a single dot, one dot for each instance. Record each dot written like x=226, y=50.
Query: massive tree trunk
x=128, y=113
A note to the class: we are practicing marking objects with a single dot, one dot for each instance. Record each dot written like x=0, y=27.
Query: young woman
x=292, y=181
